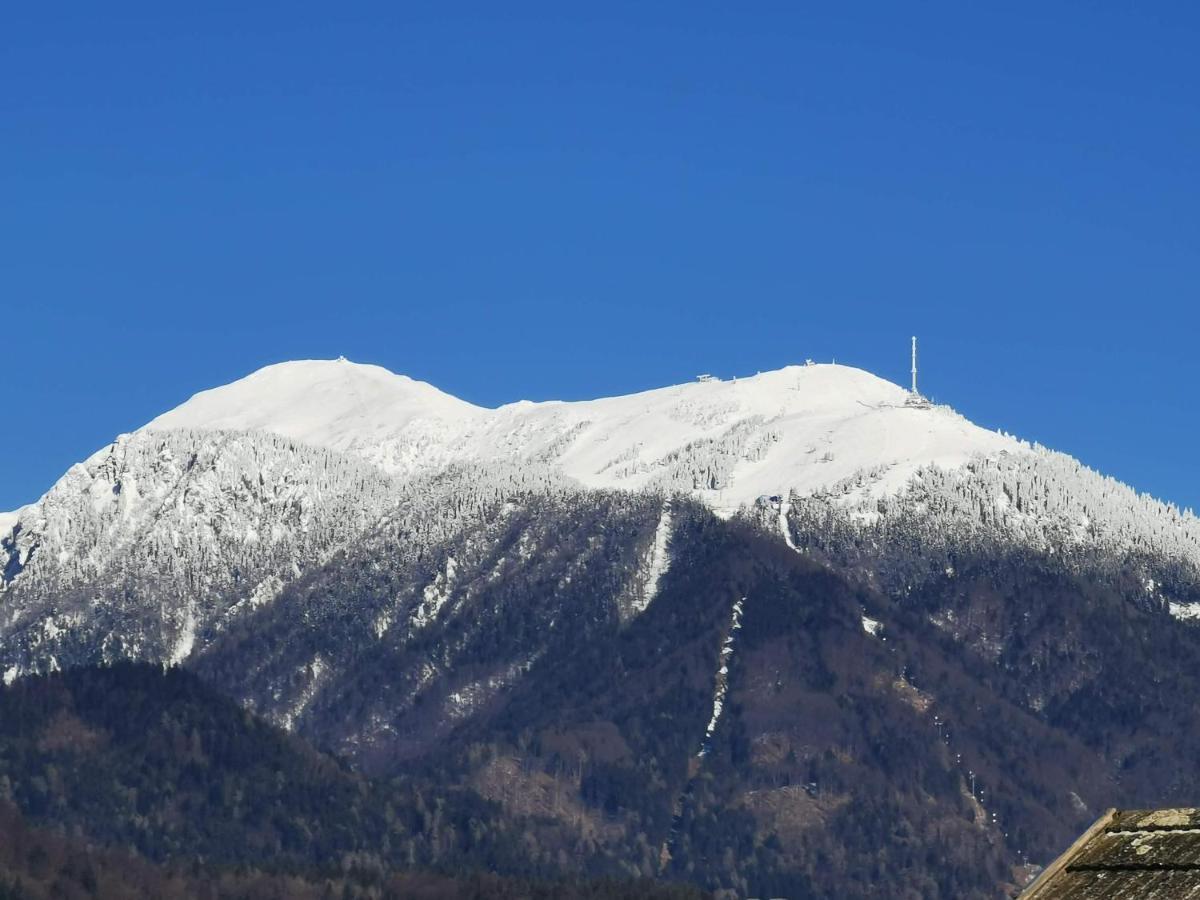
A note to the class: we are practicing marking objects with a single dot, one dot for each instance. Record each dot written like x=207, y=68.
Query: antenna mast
x=914, y=399
x=914, y=364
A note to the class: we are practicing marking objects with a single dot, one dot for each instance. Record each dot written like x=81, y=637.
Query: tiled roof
x=1144, y=854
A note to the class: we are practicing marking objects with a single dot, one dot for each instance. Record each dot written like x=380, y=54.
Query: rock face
x=786, y=616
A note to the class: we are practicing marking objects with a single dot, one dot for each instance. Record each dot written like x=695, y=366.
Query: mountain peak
x=324, y=402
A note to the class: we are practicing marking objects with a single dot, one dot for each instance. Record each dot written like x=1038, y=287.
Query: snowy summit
x=798, y=429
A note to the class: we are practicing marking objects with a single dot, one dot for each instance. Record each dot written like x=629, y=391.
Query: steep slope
x=152, y=543
x=382, y=652
x=1041, y=501
x=759, y=713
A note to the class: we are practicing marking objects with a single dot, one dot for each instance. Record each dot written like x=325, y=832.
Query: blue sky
x=532, y=201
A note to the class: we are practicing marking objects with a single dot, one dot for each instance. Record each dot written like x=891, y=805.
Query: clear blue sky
x=527, y=201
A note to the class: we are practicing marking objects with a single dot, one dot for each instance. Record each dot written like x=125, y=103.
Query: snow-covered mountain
x=682, y=582
x=795, y=429
x=244, y=488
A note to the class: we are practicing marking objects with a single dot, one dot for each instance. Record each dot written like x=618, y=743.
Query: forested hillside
x=134, y=781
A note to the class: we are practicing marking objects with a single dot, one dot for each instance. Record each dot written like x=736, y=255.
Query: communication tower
x=914, y=399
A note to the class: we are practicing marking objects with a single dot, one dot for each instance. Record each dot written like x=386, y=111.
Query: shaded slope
x=168, y=789
x=160, y=763
x=741, y=729
x=834, y=753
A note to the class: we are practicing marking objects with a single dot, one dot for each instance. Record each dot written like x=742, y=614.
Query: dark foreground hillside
x=130, y=781
x=37, y=864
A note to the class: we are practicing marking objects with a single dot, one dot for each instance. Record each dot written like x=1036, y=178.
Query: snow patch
x=722, y=680
x=267, y=590
x=784, y=528
x=1184, y=612
x=186, y=640
x=315, y=671
x=383, y=622
x=435, y=595
x=461, y=703
x=659, y=560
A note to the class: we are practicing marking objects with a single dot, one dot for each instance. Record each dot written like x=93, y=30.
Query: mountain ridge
x=799, y=428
